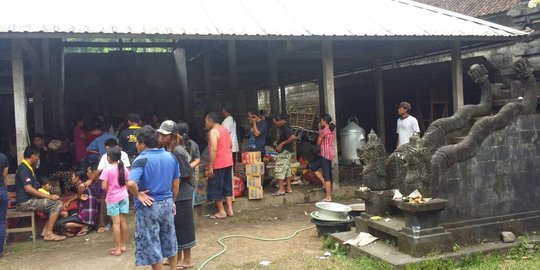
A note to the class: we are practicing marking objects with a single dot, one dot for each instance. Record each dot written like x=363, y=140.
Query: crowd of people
x=150, y=169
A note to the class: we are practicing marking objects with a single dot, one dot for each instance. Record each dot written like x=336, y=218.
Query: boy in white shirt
x=407, y=125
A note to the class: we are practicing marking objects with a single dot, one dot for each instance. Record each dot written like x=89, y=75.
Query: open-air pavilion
x=226, y=50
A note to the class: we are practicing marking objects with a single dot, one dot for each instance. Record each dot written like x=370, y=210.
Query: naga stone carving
x=416, y=160
x=374, y=158
x=447, y=156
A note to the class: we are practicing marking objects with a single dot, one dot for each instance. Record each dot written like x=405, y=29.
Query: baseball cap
x=167, y=127
x=405, y=105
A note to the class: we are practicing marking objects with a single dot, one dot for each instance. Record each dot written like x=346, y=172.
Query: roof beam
x=97, y=44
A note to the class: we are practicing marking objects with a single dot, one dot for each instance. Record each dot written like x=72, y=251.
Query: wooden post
x=46, y=82
x=283, y=100
x=181, y=72
x=206, y=72
x=233, y=79
x=457, y=76
x=19, y=99
x=274, y=80
x=58, y=71
x=329, y=97
x=379, y=101
x=37, y=95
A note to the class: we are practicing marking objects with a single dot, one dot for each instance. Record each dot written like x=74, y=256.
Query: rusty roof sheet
x=473, y=8
x=243, y=18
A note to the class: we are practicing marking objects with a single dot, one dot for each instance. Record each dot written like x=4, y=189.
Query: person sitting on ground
x=30, y=199
x=114, y=183
x=284, y=147
x=86, y=215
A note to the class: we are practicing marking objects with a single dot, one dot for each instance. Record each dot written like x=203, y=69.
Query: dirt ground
x=91, y=251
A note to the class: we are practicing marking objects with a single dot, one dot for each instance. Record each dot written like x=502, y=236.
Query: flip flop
x=186, y=266
x=82, y=232
x=57, y=238
x=115, y=252
x=277, y=193
x=214, y=216
x=101, y=229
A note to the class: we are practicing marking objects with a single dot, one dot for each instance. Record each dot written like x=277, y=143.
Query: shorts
x=155, y=235
x=326, y=166
x=220, y=186
x=283, y=165
x=44, y=205
x=117, y=208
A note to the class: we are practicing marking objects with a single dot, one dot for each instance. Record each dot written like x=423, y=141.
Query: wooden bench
x=12, y=213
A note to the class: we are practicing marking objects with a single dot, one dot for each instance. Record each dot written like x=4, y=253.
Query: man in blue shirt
x=97, y=148
x=154, y=182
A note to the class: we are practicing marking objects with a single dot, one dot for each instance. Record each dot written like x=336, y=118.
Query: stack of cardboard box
x=254, y=174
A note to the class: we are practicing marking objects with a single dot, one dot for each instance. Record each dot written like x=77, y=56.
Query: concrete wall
x=503, y=178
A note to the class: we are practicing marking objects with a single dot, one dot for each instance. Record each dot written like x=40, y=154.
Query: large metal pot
x=352, y=139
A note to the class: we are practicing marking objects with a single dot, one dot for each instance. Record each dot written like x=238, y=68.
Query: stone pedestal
x=432, y=237
x=378, y=203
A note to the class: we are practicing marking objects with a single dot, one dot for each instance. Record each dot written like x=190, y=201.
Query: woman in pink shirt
x=326, y=140
x=114, y=183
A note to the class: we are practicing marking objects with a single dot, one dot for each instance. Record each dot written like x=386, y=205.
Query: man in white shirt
x=230, y=125
x=407, y=125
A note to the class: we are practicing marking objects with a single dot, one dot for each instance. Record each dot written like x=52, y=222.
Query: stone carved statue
x=447, y=156
x=416, y=160
x=374, y=158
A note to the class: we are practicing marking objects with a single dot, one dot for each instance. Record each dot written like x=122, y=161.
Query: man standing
x=284, y=147
x=219, y=168
x=30, y=199
x=407, y=125
x=97, y=148
x=230, y=125
x=154, y=181
x=127, y=138
x=257, y=132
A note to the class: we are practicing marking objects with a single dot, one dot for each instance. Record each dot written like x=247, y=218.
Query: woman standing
x=174, y=139
x=325, y=141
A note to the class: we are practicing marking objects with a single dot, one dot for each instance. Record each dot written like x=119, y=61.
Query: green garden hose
x=220, y=242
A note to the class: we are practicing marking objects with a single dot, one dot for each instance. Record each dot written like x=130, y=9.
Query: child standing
x=114, y=183
x=326, y=140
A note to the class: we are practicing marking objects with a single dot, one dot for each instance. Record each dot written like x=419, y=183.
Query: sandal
x=215, y=216
x=101, y=229
x=278, y=193
x=115, y=252
x=56, y=238
x=82, y=232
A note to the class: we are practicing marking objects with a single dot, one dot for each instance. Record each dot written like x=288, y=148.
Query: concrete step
x=392, y=227
x=300, y=194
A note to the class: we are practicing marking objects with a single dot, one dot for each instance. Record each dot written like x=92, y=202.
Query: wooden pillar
x=457, y=76
x=181, y=72
x=240, y=107
x=57, y=68
x=206, y=72
x=46, y=83
x=283, y=100
x=19, y=98
x=329, y=97
x=37, y=95
x=274, y=80
x=379, y=101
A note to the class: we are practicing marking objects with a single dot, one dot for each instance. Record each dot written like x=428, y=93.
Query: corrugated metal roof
x=473, y=7
x=287, y=18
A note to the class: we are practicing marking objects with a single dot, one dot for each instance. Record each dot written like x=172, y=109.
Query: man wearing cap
x=154, y=181
x=407, y=125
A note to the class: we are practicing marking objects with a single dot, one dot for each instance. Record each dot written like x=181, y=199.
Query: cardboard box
x=255, y=193
x=255, y=169
x=251, y=157
x=253, y=181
